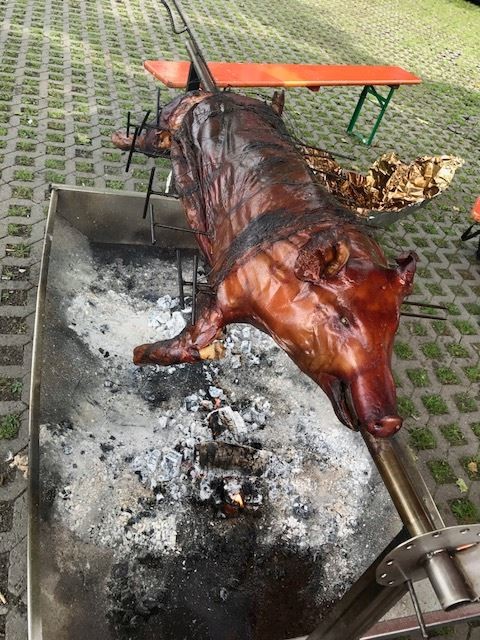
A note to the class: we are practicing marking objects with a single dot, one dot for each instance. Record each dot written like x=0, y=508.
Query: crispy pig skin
x=284, y=257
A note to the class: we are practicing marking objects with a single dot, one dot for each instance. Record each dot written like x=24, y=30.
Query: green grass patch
x=419, y=377
x=12, y=272
x=54, y=163
x=20, y=191
x=452, y=309
x=457, y=350
x=54, y=177
x=112, y=156
x=435, y=289
x=423, y=272
x=23, y=230
x=464, y=511
x=52, y=150
x=84, y=182
x=25, y=145
x=18, y=250
x=143, y=160
x=27, y=134
x=465, y=403
x=473, y=308
x=9, y=426
x=19, y=210
x=56, y=114
x=435, y=404
x=82, y=139
x=441, y=328
x=430, y=228
x=420, y=242
x=475, y=427
x=53, y=136
x=84, y=167
x=10, y=389
x=441, y=471
x=465, y=328
x=115, y=184
x=406, y=407
x=25, y=161
x=431, y=350
x=417, y=328
x=403, y=351
x=23, y=174
x=445, y=375
x=56, y=125
x=142, y=174
x=472, y=373
x=453, y=435
x=458, y=290
x=421, y=438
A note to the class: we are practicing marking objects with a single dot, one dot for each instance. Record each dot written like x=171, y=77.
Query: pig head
x=330, y=302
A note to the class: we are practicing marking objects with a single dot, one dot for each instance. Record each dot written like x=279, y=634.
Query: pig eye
x=345, y=321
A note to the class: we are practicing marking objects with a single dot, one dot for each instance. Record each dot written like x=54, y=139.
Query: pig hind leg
x=195, y=343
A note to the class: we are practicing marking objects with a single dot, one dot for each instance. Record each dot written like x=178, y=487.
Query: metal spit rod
x=193, y=48
x=447, y=581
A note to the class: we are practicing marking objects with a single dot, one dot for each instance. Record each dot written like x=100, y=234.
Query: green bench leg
x=383, y=101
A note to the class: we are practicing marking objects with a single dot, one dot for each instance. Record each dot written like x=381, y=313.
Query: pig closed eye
x=345, y=321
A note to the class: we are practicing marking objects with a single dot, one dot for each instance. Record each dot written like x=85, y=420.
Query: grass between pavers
x=441, y=471
x=9, y=426
x=453, y=434
x=421, y=438
x=465, y=511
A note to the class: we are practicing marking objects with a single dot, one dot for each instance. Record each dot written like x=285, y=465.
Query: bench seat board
x=174, y=74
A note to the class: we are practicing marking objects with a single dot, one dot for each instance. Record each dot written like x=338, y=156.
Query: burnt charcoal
x=230, y=456
x=216, y=425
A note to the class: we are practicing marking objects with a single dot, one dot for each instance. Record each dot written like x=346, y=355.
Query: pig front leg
x=195, y=343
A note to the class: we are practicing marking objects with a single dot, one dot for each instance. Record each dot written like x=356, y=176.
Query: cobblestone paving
x=69, y=71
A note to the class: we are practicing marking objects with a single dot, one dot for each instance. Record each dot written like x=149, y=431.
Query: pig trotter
x=195, y=343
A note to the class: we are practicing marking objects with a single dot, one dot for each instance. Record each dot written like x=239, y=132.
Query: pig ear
x=321, y=257
x=406, y=269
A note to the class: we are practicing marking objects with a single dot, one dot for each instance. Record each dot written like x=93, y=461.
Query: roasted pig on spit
x=284, y=256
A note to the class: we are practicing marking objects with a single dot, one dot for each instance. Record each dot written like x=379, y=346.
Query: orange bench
x=473, y=231
x=178, y=74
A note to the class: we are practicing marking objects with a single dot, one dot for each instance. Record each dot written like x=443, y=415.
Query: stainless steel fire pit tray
x=143, y=523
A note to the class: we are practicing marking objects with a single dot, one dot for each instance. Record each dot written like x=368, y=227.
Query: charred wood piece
x=222, y=455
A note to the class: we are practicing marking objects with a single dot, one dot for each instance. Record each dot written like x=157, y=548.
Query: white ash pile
x=144, y=455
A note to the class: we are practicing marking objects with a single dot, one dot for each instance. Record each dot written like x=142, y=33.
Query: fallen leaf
x=462, y=485
x=20, y=462
x=473, y=467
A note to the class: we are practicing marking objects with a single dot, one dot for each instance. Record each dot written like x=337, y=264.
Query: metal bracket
x=407, y=561
x=144, y=125
x=151, y=191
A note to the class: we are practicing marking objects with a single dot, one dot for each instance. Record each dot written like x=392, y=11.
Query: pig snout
x=373, y=399
x=385, y=427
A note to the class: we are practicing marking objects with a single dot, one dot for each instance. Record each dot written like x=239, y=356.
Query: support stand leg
x=365, y=603
x=382, y=101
